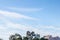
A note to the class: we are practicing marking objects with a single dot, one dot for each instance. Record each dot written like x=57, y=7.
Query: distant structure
x=49, y=37
x=54, y=38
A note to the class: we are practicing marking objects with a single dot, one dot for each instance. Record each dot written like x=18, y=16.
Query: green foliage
x=25, y=38
x=15, y=37
x=29, y=36
x=36, y=39
x=1, y=39
x=43, y=39
x=33, y=36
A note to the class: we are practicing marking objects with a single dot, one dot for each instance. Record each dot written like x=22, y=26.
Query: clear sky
x=18, y=16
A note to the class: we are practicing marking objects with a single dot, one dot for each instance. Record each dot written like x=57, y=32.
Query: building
x=54, y=38
x=49, y=37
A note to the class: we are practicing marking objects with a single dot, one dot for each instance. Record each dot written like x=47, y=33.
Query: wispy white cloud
x=8, y=27
x=21, y=26
x=16, y=15
x=8, y=31
x=25, y=9
x=52, y=27
x=1, y=17
x=2, y=27
x=31, y=28
x=48, y=27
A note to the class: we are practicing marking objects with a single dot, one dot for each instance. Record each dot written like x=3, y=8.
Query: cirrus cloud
x=25, y=9
x=15, y=15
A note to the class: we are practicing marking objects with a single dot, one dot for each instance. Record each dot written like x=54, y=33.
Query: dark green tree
x=18, y=37
x=36, y=39
x=25, y=38
x=43, y=38
x=1, y=39
x=15, y=37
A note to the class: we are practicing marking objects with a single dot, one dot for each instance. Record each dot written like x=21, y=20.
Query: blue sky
x=18, y=16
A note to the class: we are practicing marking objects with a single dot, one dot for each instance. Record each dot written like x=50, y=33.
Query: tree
x=33, y=33
x=15, y=37
x=18, y=37
x=1, y=39
x=37, y=36
x=25, y=38
x=28, y=33
x=36, y=39
x=43, y=38
x=12, y=37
